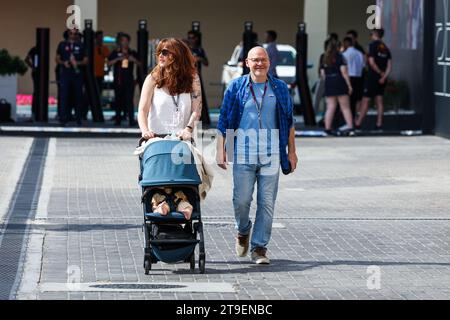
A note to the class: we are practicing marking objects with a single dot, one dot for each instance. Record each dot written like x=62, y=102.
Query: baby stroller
x=170, y=238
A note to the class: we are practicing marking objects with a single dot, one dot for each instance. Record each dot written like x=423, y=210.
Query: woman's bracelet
x=192, y=129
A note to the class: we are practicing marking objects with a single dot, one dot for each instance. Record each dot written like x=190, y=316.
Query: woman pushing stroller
x=171, y=97
x=170, y=105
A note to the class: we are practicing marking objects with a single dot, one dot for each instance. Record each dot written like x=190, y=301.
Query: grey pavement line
x=50, y=225
x=15, y=237
x=47, y=181
x=13, y=177
x=28, y=288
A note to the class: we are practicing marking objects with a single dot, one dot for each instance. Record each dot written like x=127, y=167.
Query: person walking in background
x=201, y=60
x=338, y=88
x=272, y=51
x=380, y=66
x=355, y=66
x=71, y=57
x=257, y=106
x=123, y=60
x=101, y=54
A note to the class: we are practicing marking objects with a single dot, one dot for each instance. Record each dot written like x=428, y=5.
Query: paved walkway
x=362, y=218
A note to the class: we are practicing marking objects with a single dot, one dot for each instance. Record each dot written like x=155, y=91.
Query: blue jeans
x=266, y=176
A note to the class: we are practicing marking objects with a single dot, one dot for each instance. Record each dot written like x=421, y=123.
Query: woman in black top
x=337, y=86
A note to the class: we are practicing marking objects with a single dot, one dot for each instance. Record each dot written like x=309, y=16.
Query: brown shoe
x=259, y=256
x=242, y=243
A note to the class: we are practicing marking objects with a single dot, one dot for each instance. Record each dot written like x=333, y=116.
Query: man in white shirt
x=355, y=65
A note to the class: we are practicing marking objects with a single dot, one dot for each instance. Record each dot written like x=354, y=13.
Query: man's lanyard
x=258, y=105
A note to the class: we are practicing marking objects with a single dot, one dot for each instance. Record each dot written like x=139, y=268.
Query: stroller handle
x=162, y=136
x=142, y=140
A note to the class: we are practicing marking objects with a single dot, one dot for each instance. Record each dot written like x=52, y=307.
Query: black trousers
x=358, y=88
x=124, y=94
x=71, y=86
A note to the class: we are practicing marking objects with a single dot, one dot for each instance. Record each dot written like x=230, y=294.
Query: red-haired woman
x=171, y=98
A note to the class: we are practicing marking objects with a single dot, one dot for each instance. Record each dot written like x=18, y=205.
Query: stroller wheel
x=192, y=261
x=201, y=263
x=147, y=266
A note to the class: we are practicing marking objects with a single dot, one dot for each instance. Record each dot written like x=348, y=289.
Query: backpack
x=5, y=111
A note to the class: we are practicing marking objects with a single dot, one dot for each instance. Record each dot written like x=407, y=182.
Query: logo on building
x=374, y=20
x=74, y=20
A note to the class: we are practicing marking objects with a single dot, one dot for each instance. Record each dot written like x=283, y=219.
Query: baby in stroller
x=165, y=201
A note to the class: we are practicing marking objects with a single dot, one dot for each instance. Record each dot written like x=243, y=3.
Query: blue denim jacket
x=233, y=104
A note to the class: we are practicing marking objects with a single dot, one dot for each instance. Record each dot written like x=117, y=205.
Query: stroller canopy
x=168, y=162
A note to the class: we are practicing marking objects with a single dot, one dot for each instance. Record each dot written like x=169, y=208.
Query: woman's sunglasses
x=164, y=52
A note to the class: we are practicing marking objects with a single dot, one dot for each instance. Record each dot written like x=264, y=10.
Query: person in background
x=123, y=60
x=380, y=66
x=193, y=41
x=101, y=54
x=354, y=36
x=272, y=51
x=31, y=61
x=71, y=56
x=355, y=66
x=333, y=36
x=338, y=88
x=58, y=84
x=255, y=43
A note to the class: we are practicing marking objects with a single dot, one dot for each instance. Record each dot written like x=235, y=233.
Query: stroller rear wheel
x=201, y=263
x=147, y=266
x=192, y=261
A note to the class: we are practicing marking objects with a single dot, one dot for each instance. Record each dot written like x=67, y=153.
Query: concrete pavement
x=362, y=218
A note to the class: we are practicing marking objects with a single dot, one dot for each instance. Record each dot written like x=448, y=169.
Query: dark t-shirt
x=381, y=53
x=199, y=52
x=123, y=74
x=66, y=48
x=335, y=67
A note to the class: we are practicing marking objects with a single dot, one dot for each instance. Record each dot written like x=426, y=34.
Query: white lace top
x=165, y=117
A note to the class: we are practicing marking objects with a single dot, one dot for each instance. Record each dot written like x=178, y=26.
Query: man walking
x=380, y=66
x=256, y=127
